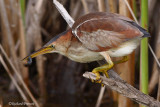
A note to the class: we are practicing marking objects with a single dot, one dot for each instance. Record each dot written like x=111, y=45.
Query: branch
x=64, y=13
x=119, y=85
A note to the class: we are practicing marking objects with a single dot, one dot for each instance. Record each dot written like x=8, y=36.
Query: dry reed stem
x=39, y=11
x=85, y=6
x=75, y=9
x=5, y=43
x=131, y=11
x=112, y=6
x=151, y=5
x=34, y=16
x=113, y=9
x=101, y=5
x=155, y=75
x=155, y=71
x=156, y=66
x=18, y=75
x=29, y=26
x=7, y=29
x=14, y=80
x=11, y=14
x=154, y=79
x=127, y=66
x=13, y=17
x=23, y=50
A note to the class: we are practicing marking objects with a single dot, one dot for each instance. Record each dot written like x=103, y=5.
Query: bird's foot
x=98, y=78
x=102, y=69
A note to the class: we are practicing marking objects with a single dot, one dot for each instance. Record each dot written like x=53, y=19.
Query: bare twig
x=18, y=75
x=125, y=89
x=101, y=94
x=154, y=55
x=13, y=80
x=64, y=13
x=131, y=11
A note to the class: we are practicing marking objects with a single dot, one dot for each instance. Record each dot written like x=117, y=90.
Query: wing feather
x=104, y=31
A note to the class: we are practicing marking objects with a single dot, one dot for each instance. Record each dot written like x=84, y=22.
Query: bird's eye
x=52, y=46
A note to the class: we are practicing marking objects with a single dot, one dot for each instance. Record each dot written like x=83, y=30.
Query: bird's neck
x=64, y=42
x=69, y=46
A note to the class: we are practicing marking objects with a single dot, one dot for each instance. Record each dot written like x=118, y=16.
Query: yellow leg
x=124, y=59
x=102, y=69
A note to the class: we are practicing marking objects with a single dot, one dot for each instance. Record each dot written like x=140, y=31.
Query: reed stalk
x=144, y=49
x=134, y=7
x=22, y=5
x=128, y=67
x=85, y=6
x=22, y=36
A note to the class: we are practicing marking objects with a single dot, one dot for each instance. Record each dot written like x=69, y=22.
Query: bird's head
x=58, y=44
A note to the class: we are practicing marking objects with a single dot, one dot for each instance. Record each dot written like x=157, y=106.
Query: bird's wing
x=100, y=32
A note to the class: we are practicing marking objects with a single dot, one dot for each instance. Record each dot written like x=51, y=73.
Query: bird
x=96, y=36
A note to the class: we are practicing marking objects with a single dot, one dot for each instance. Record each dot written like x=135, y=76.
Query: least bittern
x=96, y=36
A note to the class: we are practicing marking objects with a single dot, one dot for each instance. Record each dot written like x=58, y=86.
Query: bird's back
x=101, y=31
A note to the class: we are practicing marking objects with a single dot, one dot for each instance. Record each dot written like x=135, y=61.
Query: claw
x=102, y=69
x=97, y=81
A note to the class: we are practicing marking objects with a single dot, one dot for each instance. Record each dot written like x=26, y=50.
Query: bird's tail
x=146, y=34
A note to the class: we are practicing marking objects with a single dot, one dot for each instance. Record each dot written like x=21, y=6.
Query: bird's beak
x=41, y=51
